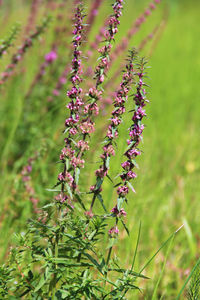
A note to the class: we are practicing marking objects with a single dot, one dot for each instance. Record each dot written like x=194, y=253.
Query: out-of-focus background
x=167, y=186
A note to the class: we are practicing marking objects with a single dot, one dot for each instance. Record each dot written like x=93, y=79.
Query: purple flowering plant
x=61, y=255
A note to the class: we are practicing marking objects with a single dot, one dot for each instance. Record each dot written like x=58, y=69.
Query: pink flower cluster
x=26, y=178
x=116, y=118
x=33, y=15
x=109, y=36
x=87, y=125
x=135, y=133
x=51, y=56
x=113, y=231
x=61, y=198
x=118, y=213
x=75, y=93
x=67, y=177
x=68, y=153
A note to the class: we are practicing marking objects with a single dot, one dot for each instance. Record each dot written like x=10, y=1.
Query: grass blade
x=163, y=245
x=185, y=283
x=136, y=247
x=162, y=271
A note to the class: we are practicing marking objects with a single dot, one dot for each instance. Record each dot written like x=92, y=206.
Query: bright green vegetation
x=167, y=185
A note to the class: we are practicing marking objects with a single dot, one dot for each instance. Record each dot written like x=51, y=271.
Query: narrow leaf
x=125, y=227
x=101, y=201
x=131, y=187
x=80, y=201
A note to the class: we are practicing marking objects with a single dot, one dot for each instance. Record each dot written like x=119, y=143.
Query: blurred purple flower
x=51, y=56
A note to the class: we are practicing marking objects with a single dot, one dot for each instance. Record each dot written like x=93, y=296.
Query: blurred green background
x=167, y=186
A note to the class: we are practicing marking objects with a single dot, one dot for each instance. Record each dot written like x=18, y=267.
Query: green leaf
x=101, y=201
x=131, y=187
x=109, y=178
x=40, y=284
x=67, y=262
x=107, y=162
x=48, y=205
x=120, y=201
x=68, y=189
x=67, y=163
x=57, y=184
x=126, y=228
x=129, y=272
x=92, y=235
x=111, y=243
x=80, y=201
x=135, y=163
x=77, y=173
x=67, y=129
x=129, y=146
x=94, y=261
x=52, y=190
x=99, y=182
x=113, y=131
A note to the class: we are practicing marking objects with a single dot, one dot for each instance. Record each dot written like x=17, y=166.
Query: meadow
x=167, y=186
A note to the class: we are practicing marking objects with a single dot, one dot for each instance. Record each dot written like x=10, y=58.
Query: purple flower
x=122, y=190
x=113, y=231
x=89, y=214
x=117, y=212
x=61, y=198
x=56, y=92
x=131, y=175
x=51, y=56
x=147, y=12
x=152, y=6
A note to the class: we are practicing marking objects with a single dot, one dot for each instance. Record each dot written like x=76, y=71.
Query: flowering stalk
x=52, y=55
x=121, y=47
x=61, y=81
x=112, y=132
x=49, y=59
x=135, y=133
x=90, y=20
x=111, y=82
x=67, y=156
x=92, y=14
x=63, y=77
x=132, y=31
x=26, y=178
x=149, y=37
x=91, y=109
x=73, y=152
x=33, y=15
x=159, y=33
x=17, y=57
x=7, y=43
x=98, y=38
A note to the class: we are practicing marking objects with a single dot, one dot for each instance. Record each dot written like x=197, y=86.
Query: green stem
x=53, y=284
x=109, y=255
